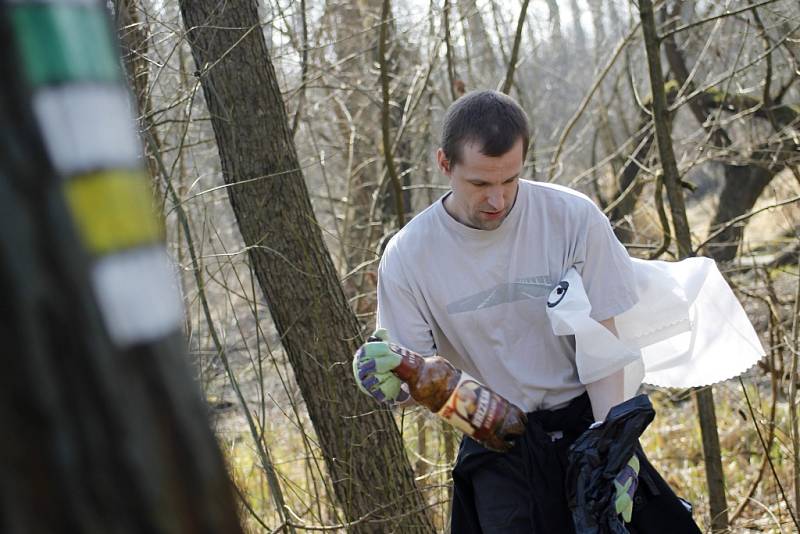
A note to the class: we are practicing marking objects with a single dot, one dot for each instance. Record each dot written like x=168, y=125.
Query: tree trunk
x=356, y=47
x=598, y=27
x=455, y=82
x=134, y=40
x=642, y=145
x=134, y=43
x=712, y=455
x=743, y=185
x=477, y=38
x=554, y=19
x=371, y=475
x=398, y=199
x=577, y=27
x=104, y=430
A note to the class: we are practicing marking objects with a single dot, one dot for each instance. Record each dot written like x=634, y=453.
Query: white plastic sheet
x=687, y=329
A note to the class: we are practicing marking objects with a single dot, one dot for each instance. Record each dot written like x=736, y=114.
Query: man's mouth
x=492, y=214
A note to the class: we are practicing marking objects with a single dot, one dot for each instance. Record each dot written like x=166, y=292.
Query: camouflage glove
x=372, y=369
x=625, y=486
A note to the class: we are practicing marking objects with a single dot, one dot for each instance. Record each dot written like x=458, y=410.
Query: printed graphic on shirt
x=522, y=289
x=558, y=294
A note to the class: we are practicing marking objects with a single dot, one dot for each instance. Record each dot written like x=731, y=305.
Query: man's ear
x=443, y=162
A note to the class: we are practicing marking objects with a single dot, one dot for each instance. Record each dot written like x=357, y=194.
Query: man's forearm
x=606, y=393
x=609, y=391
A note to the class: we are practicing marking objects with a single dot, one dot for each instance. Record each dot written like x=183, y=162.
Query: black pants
x=522, y=492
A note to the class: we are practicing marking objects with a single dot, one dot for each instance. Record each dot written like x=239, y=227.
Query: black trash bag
x=596, y=458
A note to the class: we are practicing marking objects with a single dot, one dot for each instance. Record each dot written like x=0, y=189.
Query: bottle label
x=472, y=408
x=411, y=357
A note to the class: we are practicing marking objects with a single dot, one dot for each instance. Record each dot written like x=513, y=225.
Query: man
x=468, y=278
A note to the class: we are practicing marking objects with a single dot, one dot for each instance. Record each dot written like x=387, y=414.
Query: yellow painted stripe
x=113, y=210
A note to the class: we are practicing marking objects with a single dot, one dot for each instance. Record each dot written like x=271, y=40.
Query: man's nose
x=495, y=200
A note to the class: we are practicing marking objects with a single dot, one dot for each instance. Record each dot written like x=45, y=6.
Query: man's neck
x=447, y=203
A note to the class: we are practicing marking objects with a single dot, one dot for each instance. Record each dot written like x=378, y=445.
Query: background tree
x=291, y=263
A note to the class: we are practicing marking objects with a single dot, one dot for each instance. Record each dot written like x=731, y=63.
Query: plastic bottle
x=460, y=400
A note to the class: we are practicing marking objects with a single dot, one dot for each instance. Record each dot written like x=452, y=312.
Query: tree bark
x=363, y=450
x=99, y=435
x=356, y=48
x=134, y=43
x=704, y=397
x=482, y=51
x=512, y=63
x=134, y=40
x=456, y=83
x=554, y=18
x=642, y=145
x=577, y=27
x=386, y=116
x=598, y=26
x=743, y=185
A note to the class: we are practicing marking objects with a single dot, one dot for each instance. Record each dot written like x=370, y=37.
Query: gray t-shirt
x=478, y=297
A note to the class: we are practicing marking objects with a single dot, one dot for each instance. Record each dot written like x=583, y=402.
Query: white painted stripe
x=138, y=295
x=87, y=127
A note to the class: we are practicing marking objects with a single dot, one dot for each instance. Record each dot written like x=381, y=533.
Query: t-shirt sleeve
x=605, y=268
x=399, y=312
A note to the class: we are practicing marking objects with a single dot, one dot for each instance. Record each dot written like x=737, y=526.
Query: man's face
x=484, y=187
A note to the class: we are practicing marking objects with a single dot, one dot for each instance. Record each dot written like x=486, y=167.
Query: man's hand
x=372, y=368
x=625, y=486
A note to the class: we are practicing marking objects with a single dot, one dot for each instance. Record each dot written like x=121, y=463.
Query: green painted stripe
x=63, y=43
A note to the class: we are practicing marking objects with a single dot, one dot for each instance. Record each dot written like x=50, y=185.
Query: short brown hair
x=492, y=120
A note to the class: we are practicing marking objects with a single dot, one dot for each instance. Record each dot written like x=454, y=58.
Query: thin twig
x=793, y=397
x=451, y=67
x=512, y=64
x=741, y=218
x=769, y=459
x=391, y=170
x=715, y=17
x=774, y=323
x=666, y=234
